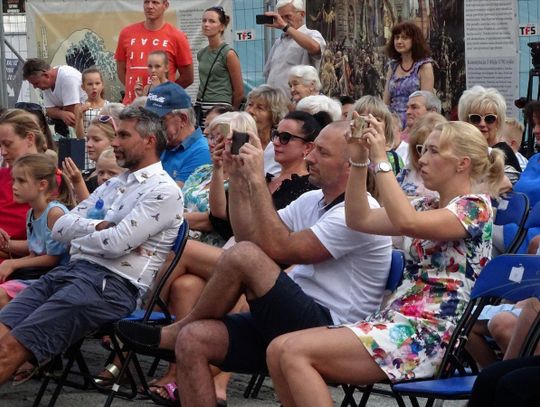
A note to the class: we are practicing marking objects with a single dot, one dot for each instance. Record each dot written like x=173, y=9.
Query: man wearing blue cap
x=187, y=147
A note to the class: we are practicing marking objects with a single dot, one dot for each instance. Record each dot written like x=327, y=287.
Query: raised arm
x=305, y=41
x=254, y=217
x=398, y=217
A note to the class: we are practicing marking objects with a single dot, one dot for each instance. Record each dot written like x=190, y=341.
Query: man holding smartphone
x=298, y=45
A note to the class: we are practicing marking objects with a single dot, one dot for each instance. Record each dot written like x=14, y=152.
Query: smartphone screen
x=238, y=140
x=264, y=19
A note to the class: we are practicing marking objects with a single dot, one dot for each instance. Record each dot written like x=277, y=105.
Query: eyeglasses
x=477, y=118
x=285, y=137
x=107, y=119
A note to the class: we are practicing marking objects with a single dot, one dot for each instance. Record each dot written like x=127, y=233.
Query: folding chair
x=509, y=277
x=512, y=210
x=155, y=300
x=395, y=278
x=74, y=353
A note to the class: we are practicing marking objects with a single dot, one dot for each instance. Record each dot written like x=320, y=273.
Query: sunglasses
x=107, y=119
x=419, y=149
x=477, y=118
x=284, y=137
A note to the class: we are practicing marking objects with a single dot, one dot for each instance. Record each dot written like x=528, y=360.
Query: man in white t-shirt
x=61, y=86
x=339, y=277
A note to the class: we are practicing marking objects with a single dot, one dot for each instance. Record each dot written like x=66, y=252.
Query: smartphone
x=264, y=19
x=359, y=125
x=238, y=140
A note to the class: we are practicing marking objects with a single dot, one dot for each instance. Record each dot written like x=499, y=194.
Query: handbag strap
x=210, y=71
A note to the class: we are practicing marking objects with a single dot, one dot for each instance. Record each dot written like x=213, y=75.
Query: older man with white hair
x=297, y=45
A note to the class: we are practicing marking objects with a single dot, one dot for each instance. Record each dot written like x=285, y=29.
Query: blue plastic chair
x=510, y=277
x=531, y=228
x=512, y=210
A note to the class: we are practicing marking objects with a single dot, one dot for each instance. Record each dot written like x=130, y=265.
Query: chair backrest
x=178, y=248
x=512, y=211
x=513, y=277
x=530, y=229
x=508, y=276
x=396, y=270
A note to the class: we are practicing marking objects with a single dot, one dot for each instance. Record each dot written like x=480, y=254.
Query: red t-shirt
x=12, y=214
x=136, y=42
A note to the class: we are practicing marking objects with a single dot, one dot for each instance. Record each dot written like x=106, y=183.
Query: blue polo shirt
x=182, y=160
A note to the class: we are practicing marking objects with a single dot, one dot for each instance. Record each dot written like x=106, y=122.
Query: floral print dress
x=408, y=338
x=196, y=195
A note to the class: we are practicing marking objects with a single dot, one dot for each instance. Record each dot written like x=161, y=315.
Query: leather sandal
x=107, y=381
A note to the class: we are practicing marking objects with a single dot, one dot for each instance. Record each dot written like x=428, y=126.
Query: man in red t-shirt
x=136, y=41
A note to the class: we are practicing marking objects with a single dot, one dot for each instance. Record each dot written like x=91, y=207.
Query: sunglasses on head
x=477, y=118
x=285, y=137
x=107, y=119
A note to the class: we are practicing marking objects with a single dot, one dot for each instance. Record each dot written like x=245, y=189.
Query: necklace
x=406, y=70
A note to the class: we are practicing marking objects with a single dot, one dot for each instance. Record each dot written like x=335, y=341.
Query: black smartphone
x=264, y=19
x=238, y=140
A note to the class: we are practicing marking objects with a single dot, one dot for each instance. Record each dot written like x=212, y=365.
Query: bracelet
x=359, y=165
x=286, y=27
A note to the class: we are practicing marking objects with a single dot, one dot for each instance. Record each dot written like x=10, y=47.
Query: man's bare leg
x=243, y=269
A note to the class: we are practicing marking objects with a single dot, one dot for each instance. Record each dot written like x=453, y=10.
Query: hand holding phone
x=264, y=19
x=238, y=140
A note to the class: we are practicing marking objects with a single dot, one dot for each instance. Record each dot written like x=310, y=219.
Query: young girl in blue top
x=36, y=181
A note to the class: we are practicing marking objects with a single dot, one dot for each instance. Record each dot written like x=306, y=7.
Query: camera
x=264, y=19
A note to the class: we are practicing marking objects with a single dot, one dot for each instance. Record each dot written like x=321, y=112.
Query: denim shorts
x=284, y=308
x=66, y=304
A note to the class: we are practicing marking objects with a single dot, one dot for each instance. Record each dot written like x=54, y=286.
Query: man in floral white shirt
x=112, y=260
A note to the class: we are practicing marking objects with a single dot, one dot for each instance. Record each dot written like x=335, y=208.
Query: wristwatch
x=383, y=166
x=286, y=27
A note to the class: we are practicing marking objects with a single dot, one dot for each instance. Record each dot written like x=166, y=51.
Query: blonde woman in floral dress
x=451, y=242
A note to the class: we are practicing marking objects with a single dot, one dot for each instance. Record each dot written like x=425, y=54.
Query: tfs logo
x=527, y=30
x=246, y=35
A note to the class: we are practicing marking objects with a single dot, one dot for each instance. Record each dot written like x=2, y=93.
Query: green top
x=219, y=87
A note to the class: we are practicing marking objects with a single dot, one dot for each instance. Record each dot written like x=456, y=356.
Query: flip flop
x=172, y=395
x=23, y=374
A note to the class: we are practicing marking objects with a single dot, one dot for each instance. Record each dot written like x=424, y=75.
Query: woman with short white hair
x=485, y=108
x=317, y=103
x=303, y=81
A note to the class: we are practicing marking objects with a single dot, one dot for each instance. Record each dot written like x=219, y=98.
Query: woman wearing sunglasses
x=99, y=136
x=485, y=108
